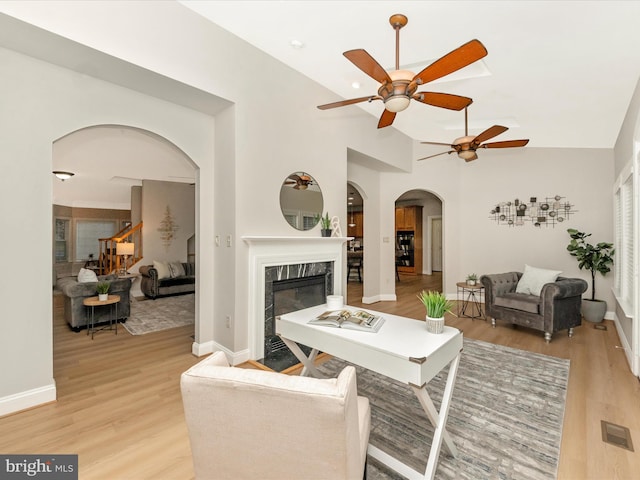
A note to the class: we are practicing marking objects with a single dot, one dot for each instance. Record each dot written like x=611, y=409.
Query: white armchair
x=254, y=424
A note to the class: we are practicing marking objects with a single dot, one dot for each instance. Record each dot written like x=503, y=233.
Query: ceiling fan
x=466, y=146
x=299, y=182
x=398, y=87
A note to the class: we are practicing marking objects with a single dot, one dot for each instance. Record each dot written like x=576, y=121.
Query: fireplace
x=287, y=289
x=278, y=259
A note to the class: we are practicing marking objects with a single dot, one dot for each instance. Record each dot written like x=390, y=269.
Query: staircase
x=108, y=261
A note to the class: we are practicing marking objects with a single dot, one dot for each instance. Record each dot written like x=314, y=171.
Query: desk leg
x=439, y=419
x=307, y=362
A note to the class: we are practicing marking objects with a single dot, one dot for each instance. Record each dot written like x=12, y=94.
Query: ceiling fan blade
x=437, y=143
x=471, y=159
x=386, y=119
x=452, y=61
x=489, y=133
x=436, y=155
x=365, y=62
x=342, y=103
x=443, y=100
x=506, y=144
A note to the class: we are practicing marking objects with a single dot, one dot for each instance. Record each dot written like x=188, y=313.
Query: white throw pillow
x=163, y=269
x=85, y=276
x=177, y=270
x=533, y=279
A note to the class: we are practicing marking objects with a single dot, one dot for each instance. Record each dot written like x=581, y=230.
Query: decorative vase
x=435, y=325
x=103, y=296
x=471, y=282
x=326, y=232
x=594, y=310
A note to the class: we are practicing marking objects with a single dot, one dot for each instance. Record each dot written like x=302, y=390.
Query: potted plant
x=326, y=225
x=472, y=279
x=103, y=290
x=595, y=258
x=436, y=305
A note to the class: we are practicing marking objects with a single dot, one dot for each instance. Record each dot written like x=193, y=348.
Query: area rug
x=505, y=416
x=160, y=314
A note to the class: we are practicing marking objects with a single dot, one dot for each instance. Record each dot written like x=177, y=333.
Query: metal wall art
x=540, y=213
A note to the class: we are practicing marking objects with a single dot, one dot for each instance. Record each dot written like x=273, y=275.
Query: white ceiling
x=560, y=73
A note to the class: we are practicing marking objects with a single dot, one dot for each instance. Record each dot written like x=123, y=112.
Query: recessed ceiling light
x=355, y=85
x=350, y=198
x=296, y=43
x=350, y=203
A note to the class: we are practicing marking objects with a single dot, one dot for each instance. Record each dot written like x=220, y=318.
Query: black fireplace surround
x=289, y=288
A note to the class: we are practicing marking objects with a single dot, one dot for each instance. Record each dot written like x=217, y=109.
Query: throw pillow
x=85, y=276
x=177, y=270
x=533, y=279
x=163, y=269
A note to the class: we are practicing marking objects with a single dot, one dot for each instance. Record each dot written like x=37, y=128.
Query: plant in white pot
x=595, y=258
x=436, y=305
x=472, y=279
x=102, y=288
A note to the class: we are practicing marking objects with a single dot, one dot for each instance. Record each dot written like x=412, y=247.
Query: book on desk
x=354, y=320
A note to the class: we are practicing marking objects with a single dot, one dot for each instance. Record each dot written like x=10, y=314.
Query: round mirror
x=301, y=201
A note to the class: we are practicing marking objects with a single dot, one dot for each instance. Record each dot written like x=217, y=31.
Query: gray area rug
x=505, y=416
x=161, y=314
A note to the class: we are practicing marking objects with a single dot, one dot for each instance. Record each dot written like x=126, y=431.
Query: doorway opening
x=418, y=238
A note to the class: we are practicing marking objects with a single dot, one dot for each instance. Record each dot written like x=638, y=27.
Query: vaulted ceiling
x=560, y=73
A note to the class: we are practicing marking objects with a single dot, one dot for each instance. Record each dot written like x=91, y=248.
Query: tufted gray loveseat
x=557, y=307
x=75, y=313
x=154, y=287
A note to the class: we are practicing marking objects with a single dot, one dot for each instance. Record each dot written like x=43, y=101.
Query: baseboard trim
x=234, y=358
x=632, y=360
x=27, y=399
x=378, y=298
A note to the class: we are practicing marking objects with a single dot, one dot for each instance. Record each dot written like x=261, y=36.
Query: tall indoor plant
x=595, y=258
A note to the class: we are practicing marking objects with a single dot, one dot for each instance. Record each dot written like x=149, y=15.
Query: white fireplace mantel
x=268, y=251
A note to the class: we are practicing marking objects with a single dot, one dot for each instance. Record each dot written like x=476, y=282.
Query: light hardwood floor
x=119, y=405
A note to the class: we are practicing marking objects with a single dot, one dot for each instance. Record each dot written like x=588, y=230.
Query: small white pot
x=435, y=325
x=471, y=282
x=103, y=296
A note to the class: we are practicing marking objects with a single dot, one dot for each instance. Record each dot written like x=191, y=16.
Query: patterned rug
x=505, y=416
x=160, y=314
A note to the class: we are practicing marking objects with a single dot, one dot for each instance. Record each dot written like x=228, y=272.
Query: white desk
x=402, y=350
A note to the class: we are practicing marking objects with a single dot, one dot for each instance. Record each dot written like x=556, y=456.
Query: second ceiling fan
x=399, y=87
x=466, y=146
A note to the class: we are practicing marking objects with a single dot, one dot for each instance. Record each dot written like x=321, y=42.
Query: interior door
x=436, y=244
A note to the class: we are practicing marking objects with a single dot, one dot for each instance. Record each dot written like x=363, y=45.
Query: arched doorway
x=418, y=238
x=112, y=165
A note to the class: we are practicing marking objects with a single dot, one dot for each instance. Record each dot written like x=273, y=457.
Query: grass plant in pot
x=436, y=305
x=595, y=258
x=326, y=225
x=472, y=279
x=103, y=290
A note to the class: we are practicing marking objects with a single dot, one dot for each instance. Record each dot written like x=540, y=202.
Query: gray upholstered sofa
x=152, y=286
x=76, y=314
x=556, y=308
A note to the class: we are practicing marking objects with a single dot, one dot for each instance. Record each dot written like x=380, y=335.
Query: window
x=88, y=232
x=625, y=241
x=61, y=240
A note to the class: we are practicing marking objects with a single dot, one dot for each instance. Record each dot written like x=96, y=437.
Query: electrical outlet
x=227, y=321
x=228, y=240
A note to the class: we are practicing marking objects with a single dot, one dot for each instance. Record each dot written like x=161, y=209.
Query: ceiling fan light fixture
x=397, y=103
x=466, y=154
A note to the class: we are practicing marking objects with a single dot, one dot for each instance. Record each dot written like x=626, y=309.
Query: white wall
x=180, y=199
x=36, y=113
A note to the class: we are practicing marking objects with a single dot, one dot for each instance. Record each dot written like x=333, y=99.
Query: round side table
x=470, y=300
x=93, y=302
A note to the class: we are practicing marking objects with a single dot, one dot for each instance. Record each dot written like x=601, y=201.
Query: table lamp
x=124, y=249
